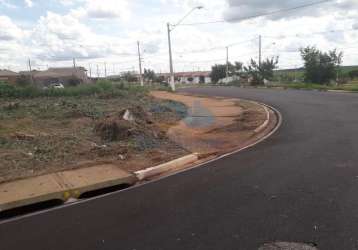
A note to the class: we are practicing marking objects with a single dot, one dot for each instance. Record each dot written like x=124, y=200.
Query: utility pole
x=74, y=63
x=140, y=66
x=172, y=78
x=260, y=50
x=227, y=61
x=97, y=71
x=30, y=70
x=105, y=70
x=90, y=70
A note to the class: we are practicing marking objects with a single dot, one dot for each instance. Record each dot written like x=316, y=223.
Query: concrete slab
x=61, y=186
x=34, y=190
x=88, y=179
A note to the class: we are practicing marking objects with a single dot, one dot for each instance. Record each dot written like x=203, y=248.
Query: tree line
x=319, y=67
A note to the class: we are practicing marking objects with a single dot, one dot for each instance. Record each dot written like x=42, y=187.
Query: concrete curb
x=266, y=122
x=61, y=186
x=166, y=167
x=342, y=91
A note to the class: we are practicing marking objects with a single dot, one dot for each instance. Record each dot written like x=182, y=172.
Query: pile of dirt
x=113, y=129
x=125, y=124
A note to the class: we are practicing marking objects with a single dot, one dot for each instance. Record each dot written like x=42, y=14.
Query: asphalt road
x=300, y=185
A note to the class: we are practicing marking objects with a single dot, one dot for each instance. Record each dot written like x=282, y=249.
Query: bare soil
x=45, y=135
x=216, y=126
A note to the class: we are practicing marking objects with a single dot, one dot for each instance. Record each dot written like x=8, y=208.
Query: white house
x=198, y=77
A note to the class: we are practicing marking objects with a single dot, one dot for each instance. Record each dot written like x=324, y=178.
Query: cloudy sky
x=95, y=32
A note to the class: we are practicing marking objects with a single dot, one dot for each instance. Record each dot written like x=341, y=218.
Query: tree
x=129, y=77
x=149, y=75
x=218, y=71
x=260, y=73
x=320, y=67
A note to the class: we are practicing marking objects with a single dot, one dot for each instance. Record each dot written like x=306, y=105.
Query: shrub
x=74, y=81
x=23, y=80
x=104, y=89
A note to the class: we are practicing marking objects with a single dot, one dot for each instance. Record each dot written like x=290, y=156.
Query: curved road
x=300, y=185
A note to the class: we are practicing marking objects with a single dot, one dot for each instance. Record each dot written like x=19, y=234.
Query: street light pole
x=227, y=61
x=172, y=77
x=140, y=66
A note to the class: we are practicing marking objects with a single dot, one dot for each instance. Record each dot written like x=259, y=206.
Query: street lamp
x=172, y=79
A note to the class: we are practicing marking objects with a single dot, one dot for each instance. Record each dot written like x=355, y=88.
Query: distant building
x=66, y=76
x=8, y=76
x=198, y=77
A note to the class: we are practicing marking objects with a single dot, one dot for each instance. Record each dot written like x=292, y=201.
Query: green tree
x=129, y=77
x=218, y=71
x=149, y=75
x=320, y=67
x=260, y=73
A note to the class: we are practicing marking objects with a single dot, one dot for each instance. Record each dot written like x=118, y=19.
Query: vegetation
x=218, y=71
x=102, y=88
x=41, y=135
x=321, y=67
x=353, y=74
x=149, y=75
x=259, y=73
x=129, y=77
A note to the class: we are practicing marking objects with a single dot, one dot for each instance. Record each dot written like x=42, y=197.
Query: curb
x=61, y=186
x=166, y=167
x=342, y=91
x=266, y=122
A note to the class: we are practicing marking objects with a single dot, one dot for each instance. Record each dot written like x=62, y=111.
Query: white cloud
x=9, y=30
x=238, y=9
x=29, y=3
x=100, y=9
x=7, y=4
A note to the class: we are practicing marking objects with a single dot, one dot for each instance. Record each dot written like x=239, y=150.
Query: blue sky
x=53, y=32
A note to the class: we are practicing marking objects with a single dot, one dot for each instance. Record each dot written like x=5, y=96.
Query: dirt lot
x=215, y=126
x=44, y=135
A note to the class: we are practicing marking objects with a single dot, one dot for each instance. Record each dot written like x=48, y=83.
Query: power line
x=261, y=14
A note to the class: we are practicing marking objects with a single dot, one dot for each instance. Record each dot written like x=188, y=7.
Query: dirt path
x=217, y=125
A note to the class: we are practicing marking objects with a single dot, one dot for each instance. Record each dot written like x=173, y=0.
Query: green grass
x=299, y=73
x=103, y=89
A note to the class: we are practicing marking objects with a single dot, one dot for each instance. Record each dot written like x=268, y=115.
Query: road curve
x=300, y=185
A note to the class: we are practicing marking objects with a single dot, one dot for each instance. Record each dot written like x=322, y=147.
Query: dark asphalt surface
x=300, y=185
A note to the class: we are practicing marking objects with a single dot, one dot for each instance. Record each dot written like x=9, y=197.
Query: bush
x=353, y=74
x=321, y=67
x=23, y=80
x=104, y=89
x=74, y=81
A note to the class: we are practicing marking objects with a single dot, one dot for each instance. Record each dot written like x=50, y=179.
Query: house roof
x=4, y=72
x=58, y=72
